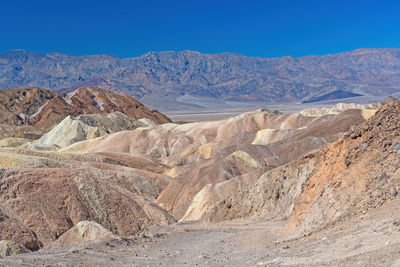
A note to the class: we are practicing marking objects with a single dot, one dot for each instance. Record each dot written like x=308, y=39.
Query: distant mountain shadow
x=338, y=94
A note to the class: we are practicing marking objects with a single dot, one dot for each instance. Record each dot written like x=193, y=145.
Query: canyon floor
x=370, y=240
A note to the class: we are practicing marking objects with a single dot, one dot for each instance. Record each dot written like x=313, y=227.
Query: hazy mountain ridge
x=226, y=76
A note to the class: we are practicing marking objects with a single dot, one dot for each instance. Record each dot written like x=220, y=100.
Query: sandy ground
x=371, y=239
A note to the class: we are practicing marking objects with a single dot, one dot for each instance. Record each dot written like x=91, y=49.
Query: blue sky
x=251, y=27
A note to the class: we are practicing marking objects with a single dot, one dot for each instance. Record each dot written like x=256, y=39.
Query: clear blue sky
x=250, y=27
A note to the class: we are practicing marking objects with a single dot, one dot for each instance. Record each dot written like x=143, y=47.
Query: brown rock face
x=51, y=113
x=44, y=194
x=94, y=100
x=44, y=109
x=21, y=103
x=12, y=229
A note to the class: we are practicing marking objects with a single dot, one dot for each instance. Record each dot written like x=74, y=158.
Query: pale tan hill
x=213, y=152
x=340, y=107
x=82, y=232
x=83, y=127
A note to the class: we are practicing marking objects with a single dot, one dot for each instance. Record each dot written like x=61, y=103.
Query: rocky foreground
x=313, y=188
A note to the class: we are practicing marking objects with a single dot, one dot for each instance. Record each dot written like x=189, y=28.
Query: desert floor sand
x=369, y=240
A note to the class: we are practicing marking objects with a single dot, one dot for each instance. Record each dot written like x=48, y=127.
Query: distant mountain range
x=160, y=79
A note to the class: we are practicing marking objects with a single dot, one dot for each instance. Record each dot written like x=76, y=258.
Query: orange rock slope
x=357, y=173
x=349, y=178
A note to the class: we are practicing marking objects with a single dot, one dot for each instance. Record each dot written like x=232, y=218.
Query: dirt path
x=368, y=241
x=178, y=245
